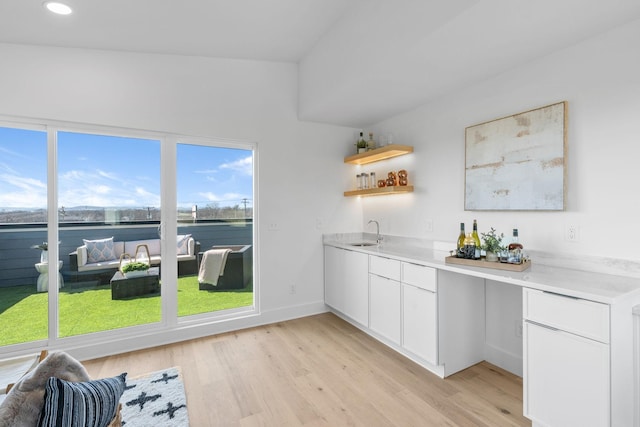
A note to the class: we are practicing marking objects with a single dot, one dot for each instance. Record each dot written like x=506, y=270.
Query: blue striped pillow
x=84, y=404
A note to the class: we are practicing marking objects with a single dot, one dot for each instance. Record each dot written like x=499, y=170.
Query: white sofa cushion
x=153, y=244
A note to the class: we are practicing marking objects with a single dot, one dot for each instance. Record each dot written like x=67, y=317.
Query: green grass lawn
x=23, y=313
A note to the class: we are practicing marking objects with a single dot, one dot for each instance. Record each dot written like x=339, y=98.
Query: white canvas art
x=517, y=162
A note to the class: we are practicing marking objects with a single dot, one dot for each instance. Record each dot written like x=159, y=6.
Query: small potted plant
x=492, y=244
x=44, y=251
x=134, y=269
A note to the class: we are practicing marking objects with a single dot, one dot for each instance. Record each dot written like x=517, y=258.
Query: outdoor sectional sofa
x=104, y=254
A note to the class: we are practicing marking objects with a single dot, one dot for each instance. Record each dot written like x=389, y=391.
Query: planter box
x=127, y=287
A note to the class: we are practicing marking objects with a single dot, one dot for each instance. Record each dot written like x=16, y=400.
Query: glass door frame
x=168, y=225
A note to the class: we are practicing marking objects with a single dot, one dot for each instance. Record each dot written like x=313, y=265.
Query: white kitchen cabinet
x=420, y=311
x=384, y=306
x=566, y=371
x=347, y=283
x=420, y=322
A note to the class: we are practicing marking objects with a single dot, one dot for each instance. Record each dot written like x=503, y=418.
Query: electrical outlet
x=272, y=226
x=319, y=223
x=292, y=289
x=428, y=225
x=572, y=233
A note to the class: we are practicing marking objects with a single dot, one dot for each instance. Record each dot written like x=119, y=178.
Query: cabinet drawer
x=581, y=317
x=420, y=276
x=385, y=267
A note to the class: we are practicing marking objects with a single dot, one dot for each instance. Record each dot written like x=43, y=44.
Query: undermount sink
x=363, y=244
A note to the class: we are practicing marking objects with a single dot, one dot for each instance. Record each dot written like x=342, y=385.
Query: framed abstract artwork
x=518, y=162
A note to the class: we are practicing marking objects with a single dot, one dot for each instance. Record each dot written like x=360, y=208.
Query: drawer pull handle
x=531, y=322
x=560, y=295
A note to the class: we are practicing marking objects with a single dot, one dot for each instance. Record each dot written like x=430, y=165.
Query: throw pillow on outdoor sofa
x=100, y=250
x=183, y=244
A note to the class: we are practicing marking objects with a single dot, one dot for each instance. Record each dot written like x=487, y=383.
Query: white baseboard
x=92, y=347
x=503, y=359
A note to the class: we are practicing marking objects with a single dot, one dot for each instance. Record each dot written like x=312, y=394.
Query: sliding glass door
x=108, y=210
x=23, y=235
x=214, y=212
x=182, y=208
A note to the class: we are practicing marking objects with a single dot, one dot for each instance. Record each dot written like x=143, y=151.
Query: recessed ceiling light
x=57, y=7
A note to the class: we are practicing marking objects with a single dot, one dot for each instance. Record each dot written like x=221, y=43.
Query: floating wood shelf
x=398, y=189
x=382, y=153
x=487, y=264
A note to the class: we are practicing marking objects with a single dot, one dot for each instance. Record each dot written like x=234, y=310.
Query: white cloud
x=244, y=166
x=8, y=152
x=84, y=188
x=107, y=175
x=207, y=171
x=232, y=198
x=17, y=191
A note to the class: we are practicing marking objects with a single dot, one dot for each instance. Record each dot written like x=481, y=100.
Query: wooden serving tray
x=488, y=264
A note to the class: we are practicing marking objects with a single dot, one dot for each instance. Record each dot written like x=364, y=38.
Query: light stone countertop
x=591, y=285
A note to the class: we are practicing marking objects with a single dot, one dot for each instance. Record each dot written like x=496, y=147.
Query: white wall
x=216, y=98
x=600, y=80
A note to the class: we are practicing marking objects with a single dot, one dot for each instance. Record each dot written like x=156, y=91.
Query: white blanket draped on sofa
x=212, y=265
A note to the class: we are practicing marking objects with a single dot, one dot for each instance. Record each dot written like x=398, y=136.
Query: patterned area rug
x=155, y=399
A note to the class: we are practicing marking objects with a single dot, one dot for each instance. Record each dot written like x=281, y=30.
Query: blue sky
x=95, y=170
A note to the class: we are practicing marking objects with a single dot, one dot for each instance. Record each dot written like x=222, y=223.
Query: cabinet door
x=384, y=308
x=420, y=326
x=347, y=283
x=334, y=273
x=566, y=378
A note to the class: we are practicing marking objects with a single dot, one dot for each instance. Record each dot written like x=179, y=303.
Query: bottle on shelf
x=476, y=239
x=461, y=237
x=371, y=144
x=361, y=145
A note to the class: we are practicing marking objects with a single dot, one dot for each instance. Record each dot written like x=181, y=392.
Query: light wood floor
x=321, y=371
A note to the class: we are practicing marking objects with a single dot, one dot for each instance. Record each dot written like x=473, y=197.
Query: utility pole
x=245, y=201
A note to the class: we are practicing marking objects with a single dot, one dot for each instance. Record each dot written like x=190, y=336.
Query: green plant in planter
x=135, y=266
x=491, y=242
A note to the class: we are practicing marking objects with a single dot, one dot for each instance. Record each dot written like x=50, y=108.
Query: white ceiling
x=360, y=60
x=271, y=30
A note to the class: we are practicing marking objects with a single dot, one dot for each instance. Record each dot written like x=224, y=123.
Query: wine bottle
x=476, y=239
x=469, y=249
x=461, y=238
